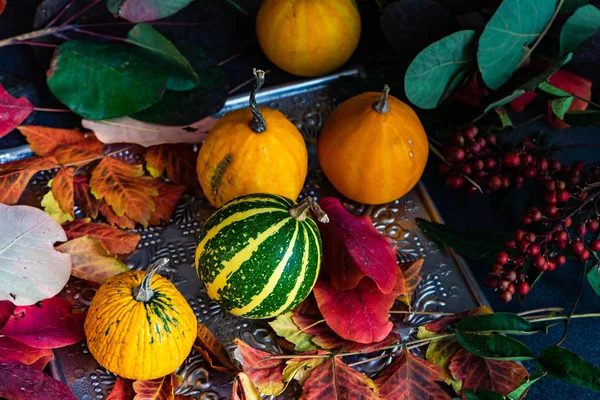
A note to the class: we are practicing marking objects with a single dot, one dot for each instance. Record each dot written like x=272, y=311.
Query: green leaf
x=533, y=274
x=184, y=108
x=285, y=327
x=504, y=117
x=103, y=81
x=579, y=27
x=567, y=366
x=496, y=322
x=157, y=49
x=582, y=118
x=474, y=244
x=569, y=6
x=515, y=26
x=495, y=347
x=432, y=73
x=499, y=103
x=482, y=395
x=561, y=106
x=145, y=10
x=519, y=392
x=236, y=6
x=538, y=79
x=593, y=277
x=553, y=90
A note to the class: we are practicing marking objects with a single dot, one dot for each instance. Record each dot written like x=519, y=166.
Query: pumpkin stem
x=383, y=105
x=144, y=293
x=258, y=123
x=299, y=211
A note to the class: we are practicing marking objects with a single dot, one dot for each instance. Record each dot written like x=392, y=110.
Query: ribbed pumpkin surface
x=139, y=340
x=255, y=259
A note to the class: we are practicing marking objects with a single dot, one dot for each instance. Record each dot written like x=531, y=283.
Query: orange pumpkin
x=252, y=151
x=373, y=148
x=308, y=37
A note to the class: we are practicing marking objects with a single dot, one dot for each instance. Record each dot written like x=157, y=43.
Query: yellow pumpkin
x=373, y=148
x=252, y=151
x=308, y=37
x=139, y=326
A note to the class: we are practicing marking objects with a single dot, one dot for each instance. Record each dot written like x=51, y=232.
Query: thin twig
x=441, y=157
x=32, y=43
x=308, y=327
x=414, y=346
x=230, y=58
x=541, y=310
x=79, y=13
x=568, y=320
x=60, y=14
x=156, y=23
x=51, y=109
x=422, y=313
x=35, y=34
x=563, y=317
x=529, y=121
x=100, y=35
x=241, y=85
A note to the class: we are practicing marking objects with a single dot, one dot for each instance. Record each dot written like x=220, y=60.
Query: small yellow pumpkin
x=373, y=148
x=308, y=37
x=139, y=326
x=252, y=151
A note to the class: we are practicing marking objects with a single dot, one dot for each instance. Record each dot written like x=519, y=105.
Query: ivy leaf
x=157, y=389
x=244, y=389
x=178, y=162
x=62, y=189
x=125, y=189
x=15, y=175
x=26, y=382
x=84, y=198
x=47, y=325
x=123, y=222
x=158, y=50
x=90, y=260
x=579, y=27
x=114, y=240
x=10, y=349
x=495, y=347
x=52, y=207
x=353, y=249
x=335, y=380
x=13, y=111
x=166, y=201
x=213, y=351
x=593, y=277
x=581, y=118
x=121, y=391
x=561, y=106
x=498, y=322
x=266, y=373
x=434, y=71
x=567, y=366
x=412, y=277
x=67, y=145
x=145, y=10
x=285, y=327
x=515, y=26
x=409, y=377
x=360, y=314
x=27, y=237
x=479, y=373
x=101, y=81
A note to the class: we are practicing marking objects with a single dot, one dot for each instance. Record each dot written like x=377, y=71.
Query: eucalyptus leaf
x=482, y=395
x=553, y=90
x=494, y=347
x=499, y=322
x=567, y=366
x=103, y=81
x=593, y=277
x=157, y=49
x=582, y=118
x=145, y=10
x=561, y=106
x=579, y=27
x=434, y=70
x=519, y=392
x=513, y=29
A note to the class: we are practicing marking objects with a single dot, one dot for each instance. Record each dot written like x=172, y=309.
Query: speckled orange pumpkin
x=139, y=326
x=308, y=37
x=373, y=148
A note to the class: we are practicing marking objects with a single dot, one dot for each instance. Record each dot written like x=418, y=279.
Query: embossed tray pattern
x=446, y=285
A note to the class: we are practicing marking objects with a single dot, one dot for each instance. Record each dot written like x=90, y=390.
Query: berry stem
x=435, y=151
x=579, y=293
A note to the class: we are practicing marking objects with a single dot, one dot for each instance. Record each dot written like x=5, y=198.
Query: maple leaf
x=114, y=240
x=15, y=175
x=179, y=163
x=13, y=111
x=244, y=389
x=360, y=314
x=285, y=327
x=124, y=188
x=67, y=145
x=12, y=350
x=62, y=189
x=84, y=198
x=26, y=382
x=479, y=373
x=334, y=380
x=157, y=389
x=52, y=207
x=121, y=391
x=6, y=310
x=411, y=274
x=46, y=325
x=264, y=371
x=409, y=377
x=213, y=351
x=90, y=261
x=166, y=201
x=123, y=222
x=353, y=249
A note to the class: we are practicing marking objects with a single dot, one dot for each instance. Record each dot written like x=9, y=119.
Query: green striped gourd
x=259, y=255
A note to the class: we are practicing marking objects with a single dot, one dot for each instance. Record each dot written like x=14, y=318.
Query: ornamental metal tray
x=446, y=286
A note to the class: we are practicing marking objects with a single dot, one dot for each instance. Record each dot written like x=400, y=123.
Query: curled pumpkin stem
x=383, y=105
x=144, y=293
x=299, y=211
x=258, y=123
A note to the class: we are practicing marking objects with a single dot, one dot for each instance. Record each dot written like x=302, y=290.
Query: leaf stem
x=529, y=121
x=79, y=13
x=39, y=44
x=310, y=326
x=51, y=109
x=100, y=35
x=562, y=317
x=60, y=14
x=579, y=293
x=230, y=58
x=541, y=310
x=35, y=34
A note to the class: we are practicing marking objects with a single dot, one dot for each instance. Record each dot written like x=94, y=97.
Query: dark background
x=223, y=31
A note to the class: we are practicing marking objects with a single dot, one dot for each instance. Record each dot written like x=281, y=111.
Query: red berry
x=561, y=236
x=479, y=173
x=518, y=181
x=502, y=258
x=577, y=247
x=457, y=154
x=561, y=259
x=526, y=159
x=481, y=142
x=511, y=160
x=529, y=172
x=536, y=215
x=562, y=196
x=510, y=244
x=443, y=169
x=552, y=210
x=527, y=144
x=470, y=132
x=578, y=166
x=469, y=189
x=454, y=182
x=530, y=237
x=550, y=186
x=458, y=139
x=465, y=169
x=550, y=197
x=540, y=262
x=585, y=254
x=505, y=182
x=560, y=185
x=592, y=224
x=580, y=230
x=474, y=148
x=494, y=182
x=523, y=288
x=568, y=222
x=554, y=165
x=490, y=163
x=503, y=285
x=551, y=266
x=511, y=288
x=542, y=164
x=491, y=140
x=523, y=245
x=519, y=234
x=595, y=245
x=511, y=276
x=518, y=260
x=506, y=296
x=496, y=270
x=478, y=165
x=526, y=219
x=491, y=282
x=561, y=245
x=534, y=250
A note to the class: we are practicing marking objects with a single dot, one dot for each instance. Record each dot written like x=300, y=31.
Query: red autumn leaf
x=62, y=189
x=84, y=198
x=412, y=277
x=121, y=391
x=14, y=176
x=360, y=314
x=67, y=145
x=322, y=335
x=352, y=347
x=157, y=389
x=441, y=324
x=25, y=382
x=12, y=350
x=13, y=111
x=114, y=240
x=46, y=325
x=353, y=248
x=125, y=189
x=572, y=84
x=266, y=373
x=123, y=222
x=6, y=310
x=213, y=351
x=2, y=7
x=409, y=377
x=166, y=201
x=521, y=102
x=480, y=373
x=334, y=380
x=179, y=163
x=471, y=92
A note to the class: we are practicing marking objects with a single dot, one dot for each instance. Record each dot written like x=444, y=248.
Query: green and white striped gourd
x=260, y=254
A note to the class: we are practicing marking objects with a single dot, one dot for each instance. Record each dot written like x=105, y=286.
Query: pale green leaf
x=579, y=27
x=284, y=326
x=553, y=90
x=504, y=117
x=51, y=207
x=593, y=277
x=561, y=106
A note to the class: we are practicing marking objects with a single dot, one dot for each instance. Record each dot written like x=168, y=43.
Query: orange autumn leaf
x=157, y=389
x=265, y=372
x=125, y=189
x=14, y=176
x=412, y=278
x=67, y=145
x=166, y=201
x=123, y=222
x=121, y=391
x=116, y=241
x=62, y=189
x=213, y=351
x=84, y=198
x=179, y=163
x=244, y=389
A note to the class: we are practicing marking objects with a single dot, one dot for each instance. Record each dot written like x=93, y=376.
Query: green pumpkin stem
x=258, y=123
x=144, y=293
x=383, y=105
x=299, y=211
